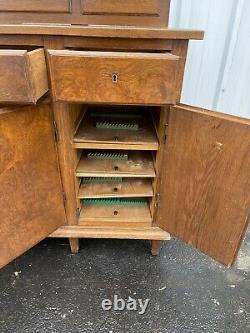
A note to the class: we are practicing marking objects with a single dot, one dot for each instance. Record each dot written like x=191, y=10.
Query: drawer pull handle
x=114, y=78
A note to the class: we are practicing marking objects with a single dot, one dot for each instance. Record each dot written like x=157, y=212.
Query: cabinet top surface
x=100, y=31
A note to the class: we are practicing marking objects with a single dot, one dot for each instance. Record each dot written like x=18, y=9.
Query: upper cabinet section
x=117, y=12
x=129, y=12
x=23, y=76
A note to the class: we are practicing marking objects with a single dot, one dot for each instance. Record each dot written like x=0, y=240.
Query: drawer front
x=113, y=77
x=23, y=76
x=129, y=7
x=35, y=6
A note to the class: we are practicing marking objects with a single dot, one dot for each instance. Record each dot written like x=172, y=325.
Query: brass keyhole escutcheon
x=114, y=78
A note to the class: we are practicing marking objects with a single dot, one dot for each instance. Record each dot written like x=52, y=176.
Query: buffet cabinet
x=95, y=142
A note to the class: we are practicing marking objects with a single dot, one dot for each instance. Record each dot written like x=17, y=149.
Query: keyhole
x=114, y=78
x=115, y=212
x=115, y=189
x=116, y=168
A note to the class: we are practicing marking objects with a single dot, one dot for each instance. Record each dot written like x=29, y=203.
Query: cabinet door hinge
x=64, y=199
x=157, y=200
x=56, y=131
x=165, y=133
x=78, y=213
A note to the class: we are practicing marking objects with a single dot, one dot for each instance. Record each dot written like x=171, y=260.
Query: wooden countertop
x=100, y=31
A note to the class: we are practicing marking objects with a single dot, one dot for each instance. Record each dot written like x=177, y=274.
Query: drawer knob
x=114, y=78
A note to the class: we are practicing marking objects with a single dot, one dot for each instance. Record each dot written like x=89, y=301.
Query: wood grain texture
x=128, y=188
x=38, y=73
x=65, y=117
x=31, y=205
x=152, y=233
x=115, y=12
x=139, y=164
x=35, y=6
x=129, y=7
x=23, y=76
x=205, y=189
x=108, y=31
x=84, y=76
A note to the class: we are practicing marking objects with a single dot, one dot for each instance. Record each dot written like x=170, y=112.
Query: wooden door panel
x=35, y=6
x=205, y=189
x=31, y=205
x=129, y=7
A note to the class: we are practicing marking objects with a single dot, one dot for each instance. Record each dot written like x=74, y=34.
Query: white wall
x=218, y=69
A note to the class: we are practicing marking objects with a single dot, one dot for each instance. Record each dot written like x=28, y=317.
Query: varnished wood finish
x=141, y=12
x=65, y=119
x=35, y=6
x=128, y=188
x=31, y=205
x=112, y=7
x=23, y=76
x=84, y=76
x=107, y=31
x=115, y=216
x=139, y=164
x=119, y=233
x=205, y=189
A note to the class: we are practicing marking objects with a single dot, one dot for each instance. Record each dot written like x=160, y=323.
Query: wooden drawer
x=139, y=164
x=113, y=77
x=23, y=76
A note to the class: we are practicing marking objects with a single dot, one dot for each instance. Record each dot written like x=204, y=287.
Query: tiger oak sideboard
x=94, y=141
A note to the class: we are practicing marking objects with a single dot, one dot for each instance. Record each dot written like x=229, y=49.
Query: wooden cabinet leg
x=74, y=245
x=155, y=247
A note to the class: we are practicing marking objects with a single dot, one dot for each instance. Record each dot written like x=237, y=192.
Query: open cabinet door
x=205, y=187
x=31, y=204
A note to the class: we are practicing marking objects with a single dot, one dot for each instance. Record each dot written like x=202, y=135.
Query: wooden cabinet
x=112, y=153
x=23, y=76
x=117, y=12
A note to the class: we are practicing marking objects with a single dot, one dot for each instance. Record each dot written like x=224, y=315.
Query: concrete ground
x=50, y=290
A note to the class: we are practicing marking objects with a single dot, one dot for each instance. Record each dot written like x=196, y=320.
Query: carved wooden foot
x=155, y=247
x=74, y=245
